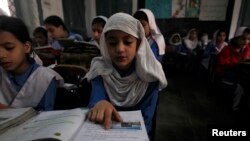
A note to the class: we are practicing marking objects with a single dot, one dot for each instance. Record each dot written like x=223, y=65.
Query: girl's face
x=122, y=48
x=40, y=39
x=221, y=37
x=146, y=27
x=97, y=31
x=246, y=38
x=54, y=32
x=13, y=53
x=193, y=35
x=176, y=39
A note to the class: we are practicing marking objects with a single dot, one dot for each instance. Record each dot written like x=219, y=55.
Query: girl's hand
x=103, y=112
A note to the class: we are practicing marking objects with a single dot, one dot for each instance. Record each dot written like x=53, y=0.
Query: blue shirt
x=76, y=37
x=47, y=102
x=147, y=105
x=155, y=49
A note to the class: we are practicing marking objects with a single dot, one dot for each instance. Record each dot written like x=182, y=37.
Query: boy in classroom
x=23, y=82
x=127, y=76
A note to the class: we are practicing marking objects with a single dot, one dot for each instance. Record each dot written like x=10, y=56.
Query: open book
x=69, y=125
x=12, y=117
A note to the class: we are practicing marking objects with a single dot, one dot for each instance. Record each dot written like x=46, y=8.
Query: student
x=97, y=25
x=41, y=36
x=217, y=44
x=23, y=82
x=175, y=42
x=57, y=30
x=152, y=32
x=127, y=76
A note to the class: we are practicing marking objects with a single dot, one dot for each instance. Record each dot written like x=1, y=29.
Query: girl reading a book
x=97, y=25
x=127, y=76
x=23, y=82
x=58, y=30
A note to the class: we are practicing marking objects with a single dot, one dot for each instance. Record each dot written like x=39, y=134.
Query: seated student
x=57, y=30
x=227, y=62
x=41, y=36
x=41, y=39
x=127, y=76
x=97, y=24
x=188, y=51
x=23, y=82
x=175, y=42
x=152, y=32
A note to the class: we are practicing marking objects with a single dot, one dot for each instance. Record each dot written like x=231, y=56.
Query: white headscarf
x=97, y=17
x=190, y=44
x=100, y=16
x=127, y=91
x=240, y=31
x=155, y=31
x=172, y=37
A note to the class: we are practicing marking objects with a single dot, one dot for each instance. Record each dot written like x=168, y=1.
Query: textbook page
x=51, y=125
x=132, y=129
x=14, y=116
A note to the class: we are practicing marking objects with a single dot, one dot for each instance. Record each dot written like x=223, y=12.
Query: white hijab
x=172, y=37
x=191, y=44
x=240, y=31
x=127, y=91
x=155, y=31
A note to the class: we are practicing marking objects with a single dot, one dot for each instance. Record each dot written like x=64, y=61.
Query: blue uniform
x=147, y=105
x=47, y=102
x=155, y=49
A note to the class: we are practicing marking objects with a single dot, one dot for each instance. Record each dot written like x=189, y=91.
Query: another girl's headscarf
x=240, y=31
x=172, y=38
x=191, y=44
x=155, y=31
x=127, y=91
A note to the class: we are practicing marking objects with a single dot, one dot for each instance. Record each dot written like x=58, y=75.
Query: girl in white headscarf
x=127, y=76
x=152, y=32
x=97, y=26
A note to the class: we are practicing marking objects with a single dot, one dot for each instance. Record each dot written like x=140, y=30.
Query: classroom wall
x=183, y=25
x=52, y=7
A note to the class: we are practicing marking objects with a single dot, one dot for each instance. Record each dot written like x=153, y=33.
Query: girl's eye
x=9, y=46
x=127, y=42
x=112, y=43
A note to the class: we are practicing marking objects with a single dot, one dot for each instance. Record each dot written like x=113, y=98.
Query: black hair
x=55, y=21
x=41, y=30
x=99, y=20
x=140, y=15
x=16, y=27
x=246, y=31
x=237, y=41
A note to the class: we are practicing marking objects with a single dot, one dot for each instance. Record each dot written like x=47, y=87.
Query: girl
x=57, y=30
x=41, y=36
x=97, y=27
x=127, y=76
x=23, y=82
x=152, y=32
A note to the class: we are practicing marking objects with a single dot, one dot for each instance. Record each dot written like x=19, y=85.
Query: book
x=70, y=125
x=131, y=129
x=12, y=117
x=59, y=125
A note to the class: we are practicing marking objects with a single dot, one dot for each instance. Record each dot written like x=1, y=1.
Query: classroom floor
x=187, y=107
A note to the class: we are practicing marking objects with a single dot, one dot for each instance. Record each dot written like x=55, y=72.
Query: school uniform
x=135, y=89
x=36, y=87
x=156, y=40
